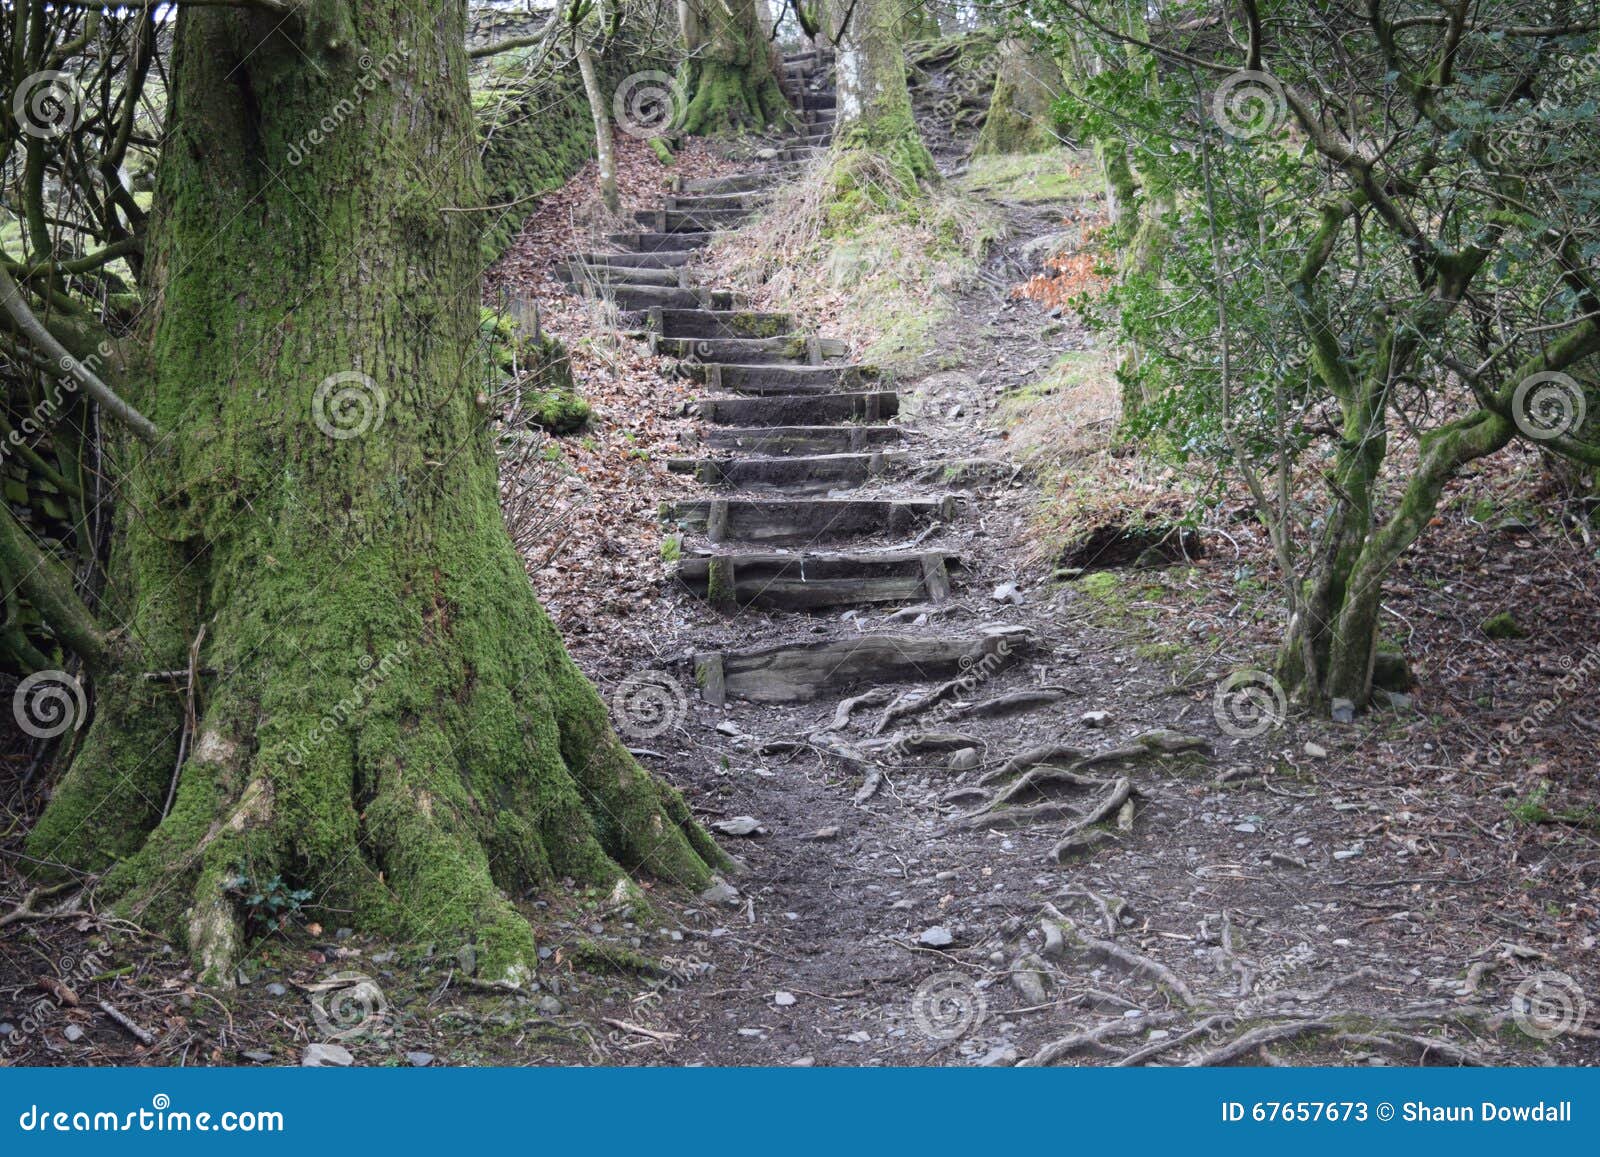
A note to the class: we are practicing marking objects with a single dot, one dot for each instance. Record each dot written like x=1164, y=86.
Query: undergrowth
x=871, y=257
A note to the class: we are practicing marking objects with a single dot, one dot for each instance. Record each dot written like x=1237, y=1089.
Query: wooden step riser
x=805, y=441
x=796, y=410
x=576, y=274
x=663, y=259
x=696, y=221
x=808, y=521
x=658, y=242
x=798, y=351
x=778, y=379
x=802, y=672
x=802, y=475
x=810, y=583
x=643, y=298
x=738, y=183
x=701, y=323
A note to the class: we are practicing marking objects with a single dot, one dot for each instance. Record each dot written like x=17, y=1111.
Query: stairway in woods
x=812, y=497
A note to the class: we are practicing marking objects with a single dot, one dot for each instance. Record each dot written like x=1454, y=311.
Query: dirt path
x=1167, y=882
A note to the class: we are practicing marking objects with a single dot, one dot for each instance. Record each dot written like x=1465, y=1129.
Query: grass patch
x=1053, y=175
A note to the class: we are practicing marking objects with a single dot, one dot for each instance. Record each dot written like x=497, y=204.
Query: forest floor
x=1402, y=889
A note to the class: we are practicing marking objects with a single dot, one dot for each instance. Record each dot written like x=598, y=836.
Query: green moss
x=1502, y=626
x=1052, y=175
x=662, y=150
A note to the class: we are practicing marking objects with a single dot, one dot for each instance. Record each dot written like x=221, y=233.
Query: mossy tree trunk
x=1026, y=84
x=874, y=104
x=728, y=76
x=392, y=722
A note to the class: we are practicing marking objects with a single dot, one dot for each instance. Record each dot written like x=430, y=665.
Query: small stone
x=1302, y=841
x=728, y=727
x=1158, y=1034
x=343, y=933
x=385, y=957
x=803, y=1062
x=1095, y=718
x=276, y=989
x=260, y=1056
x=1343, y=711
x=551, y=1006
x=419, y=1060
x=325, y=1055
x=859, y=1038
x=73, y=1033
x=753, y=1032
x=1316, y=751
x=1348, y=853
x=1246, y=828
x=965, y=759
x=740, y=826
x=766, y=154
x=831, y=832
x=936, y=937
x=1133, y=1013
x=1008, y=593
x=721, y=893
x=999, y=1056
x=783, y=999
x=467, y=957
x=1284, y=860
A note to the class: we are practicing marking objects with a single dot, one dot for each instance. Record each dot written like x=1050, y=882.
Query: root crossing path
x=976, y=828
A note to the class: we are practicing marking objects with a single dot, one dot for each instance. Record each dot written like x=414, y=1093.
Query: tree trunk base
x=724, y=100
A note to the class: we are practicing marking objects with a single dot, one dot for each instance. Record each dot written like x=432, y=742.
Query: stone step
x=747, y=351
x=642, y=298
x=803, y=153
x=820, y=116
x=801, y=672
x=813, y=581
x=582, y=273
x=779, y=379
x=804, y=409
x=657, y=242
x=736, y=183
x=732, y=323
x=690, y=221
x=778, y=521
x=819, y=100
x=660, y=259
x=779, y=441
x=811, y=473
